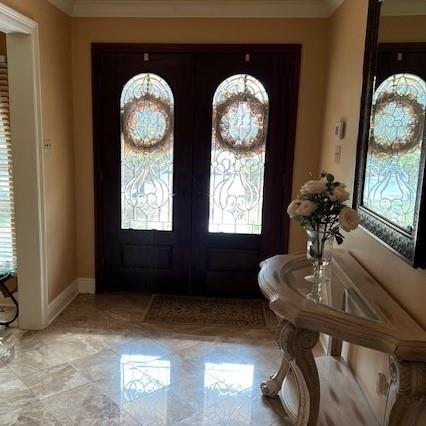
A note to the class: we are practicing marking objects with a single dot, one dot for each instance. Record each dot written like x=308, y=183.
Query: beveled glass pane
x=394, y=150
x=147, y=154
x=240, y=127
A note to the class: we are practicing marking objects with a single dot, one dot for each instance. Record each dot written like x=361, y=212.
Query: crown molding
x=332, y=5
x=14, y=22
x=199, y=8
x=403, y=7
x=66, y=6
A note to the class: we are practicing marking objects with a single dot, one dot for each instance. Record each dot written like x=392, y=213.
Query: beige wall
x=312, y=33
x=402, y=29
x=55, y=62
x=406, y=284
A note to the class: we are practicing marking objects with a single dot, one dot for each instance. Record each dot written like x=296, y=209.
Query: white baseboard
x=80, y=285
x=62, y=301
x=86, y=285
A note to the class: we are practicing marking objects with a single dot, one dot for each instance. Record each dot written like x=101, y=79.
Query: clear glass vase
x=318, y=252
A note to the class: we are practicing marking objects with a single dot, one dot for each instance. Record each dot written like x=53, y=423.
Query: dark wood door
x=193, y=163
x=226, y=255
x=144, y=259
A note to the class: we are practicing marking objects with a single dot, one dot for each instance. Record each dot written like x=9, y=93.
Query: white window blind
x=7, y=212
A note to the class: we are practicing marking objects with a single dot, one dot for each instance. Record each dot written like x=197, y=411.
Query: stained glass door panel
x=395, y=148
x=240, y=126
x=147, y=118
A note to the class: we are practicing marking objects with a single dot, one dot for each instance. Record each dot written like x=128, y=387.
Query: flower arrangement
x=320, y=206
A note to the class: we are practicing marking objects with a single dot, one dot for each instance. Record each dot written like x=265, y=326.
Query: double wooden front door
x=193, y=163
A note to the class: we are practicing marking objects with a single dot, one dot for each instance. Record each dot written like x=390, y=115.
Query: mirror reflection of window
x=144, y=374
x=395, y=147
x=227, y=392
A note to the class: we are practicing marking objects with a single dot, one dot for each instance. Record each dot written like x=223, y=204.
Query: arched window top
x=146, y=83
x=398, y=114
x=241, y=110
x=404, y=85
x=240, y=83
x=147, y=112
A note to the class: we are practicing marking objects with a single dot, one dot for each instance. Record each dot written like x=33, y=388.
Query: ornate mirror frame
x=410, y=246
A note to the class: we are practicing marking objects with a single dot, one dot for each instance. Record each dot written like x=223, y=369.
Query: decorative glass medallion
x=240, y=126
x=394, y=151
x=147, y=154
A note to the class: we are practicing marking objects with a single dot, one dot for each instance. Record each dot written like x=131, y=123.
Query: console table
x=354, y=308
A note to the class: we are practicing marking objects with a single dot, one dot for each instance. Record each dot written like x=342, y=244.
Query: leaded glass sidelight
x=147, y=154
x=240, y=126
x=394, y=149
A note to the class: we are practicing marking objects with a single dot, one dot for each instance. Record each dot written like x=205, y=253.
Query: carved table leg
x=272, y=386
x=296, y=346
x=407, y=394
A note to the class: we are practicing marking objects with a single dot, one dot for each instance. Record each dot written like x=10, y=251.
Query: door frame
x=292, y=50
x=22, y=37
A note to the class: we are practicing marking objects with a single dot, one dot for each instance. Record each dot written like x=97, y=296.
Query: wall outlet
x=382, y=384
x=337, y=154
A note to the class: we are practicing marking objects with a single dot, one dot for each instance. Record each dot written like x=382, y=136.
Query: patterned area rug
x=206, y=311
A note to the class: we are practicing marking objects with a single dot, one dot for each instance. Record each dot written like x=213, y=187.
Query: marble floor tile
x=162, y=407
x=100, y=364
x=245, y=408
x=54, y=380
x=103, y=365
x=6, y=373
x=142, y=346
x=86, y=406
x=32, y=358
x=13, y=395
x=33, y=414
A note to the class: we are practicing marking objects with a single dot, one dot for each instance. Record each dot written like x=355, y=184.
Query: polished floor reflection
x=99, y=364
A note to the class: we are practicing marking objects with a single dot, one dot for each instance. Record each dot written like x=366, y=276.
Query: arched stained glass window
x=147, y=154
x=394, y=150
x=240, y=127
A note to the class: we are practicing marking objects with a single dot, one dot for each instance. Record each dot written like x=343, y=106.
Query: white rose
x=292, y=207
x=349, y=219
x=314, y=187
x=339, y=194
x=306, y=208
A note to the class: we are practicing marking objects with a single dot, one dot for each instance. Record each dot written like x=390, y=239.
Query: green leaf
x=330, y=178
x=339, y=239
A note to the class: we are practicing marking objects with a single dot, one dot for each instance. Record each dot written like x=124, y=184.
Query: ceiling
x=224, y=8
x=198, y=8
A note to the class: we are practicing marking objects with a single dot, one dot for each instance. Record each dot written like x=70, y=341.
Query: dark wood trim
x=293, y=50
x=195, y=48
x=292, y=126
x=97, y=178
x=370, y=56
x=410, y=248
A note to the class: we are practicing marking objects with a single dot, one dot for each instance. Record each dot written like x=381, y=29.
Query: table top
x=6, y=272
x=354, y=306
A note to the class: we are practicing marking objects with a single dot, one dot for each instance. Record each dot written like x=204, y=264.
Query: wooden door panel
x=134, y=259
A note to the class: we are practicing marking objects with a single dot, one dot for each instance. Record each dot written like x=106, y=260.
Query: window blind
x=7, y=211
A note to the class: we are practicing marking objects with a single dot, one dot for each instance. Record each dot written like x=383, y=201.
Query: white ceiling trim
x=403, y=7
x=199, y=8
